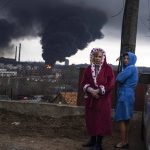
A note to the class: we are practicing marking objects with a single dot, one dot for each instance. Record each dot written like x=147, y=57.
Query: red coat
x=98, y=111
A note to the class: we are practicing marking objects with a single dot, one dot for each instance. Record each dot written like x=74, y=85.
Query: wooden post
x=129, y=28
x=80, y=99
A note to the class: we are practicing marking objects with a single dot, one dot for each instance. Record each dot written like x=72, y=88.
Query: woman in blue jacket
x=127, y=80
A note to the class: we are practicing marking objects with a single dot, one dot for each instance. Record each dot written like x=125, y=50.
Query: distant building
x=66, y=62
x=7, y=60
x=5, y=73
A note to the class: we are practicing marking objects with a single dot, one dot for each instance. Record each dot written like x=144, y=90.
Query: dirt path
x=20, y=132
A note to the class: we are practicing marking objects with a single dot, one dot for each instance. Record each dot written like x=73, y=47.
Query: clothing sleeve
x=110, y=80
x=85, y=80
x=109, y=84
x=122, y=76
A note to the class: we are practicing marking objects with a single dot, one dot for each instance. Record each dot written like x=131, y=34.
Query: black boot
x=98, y=145
x=91, y=142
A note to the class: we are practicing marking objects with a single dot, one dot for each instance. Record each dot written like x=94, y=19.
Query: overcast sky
x=45, y=33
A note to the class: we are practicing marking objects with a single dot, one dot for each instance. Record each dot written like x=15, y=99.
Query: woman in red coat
x=98, y=82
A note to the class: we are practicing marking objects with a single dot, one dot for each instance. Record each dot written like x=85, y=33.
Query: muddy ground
x=22, y=132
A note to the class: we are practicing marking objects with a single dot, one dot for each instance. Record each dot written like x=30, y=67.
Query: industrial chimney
x=19, y=52
x=16, y=54
x=66, y=62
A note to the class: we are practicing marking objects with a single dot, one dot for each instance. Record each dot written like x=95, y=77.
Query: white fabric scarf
x=94, y=75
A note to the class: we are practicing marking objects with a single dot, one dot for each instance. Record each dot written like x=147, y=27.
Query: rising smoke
x=63, y=27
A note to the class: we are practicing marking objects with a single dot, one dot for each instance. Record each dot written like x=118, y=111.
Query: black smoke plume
x=64, y=28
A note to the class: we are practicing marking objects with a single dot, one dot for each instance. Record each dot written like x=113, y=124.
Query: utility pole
x=19, y=52
x=129, y=28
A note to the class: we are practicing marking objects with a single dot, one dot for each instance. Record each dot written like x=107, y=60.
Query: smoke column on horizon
x=63, y=28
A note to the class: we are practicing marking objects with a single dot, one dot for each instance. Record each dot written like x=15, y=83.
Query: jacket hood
x=132, y=58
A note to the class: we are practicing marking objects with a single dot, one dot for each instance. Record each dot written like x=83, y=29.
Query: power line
x=121, y=10
x=5, y=3
x=145, y=24
x=148, y=11
x=142, y=21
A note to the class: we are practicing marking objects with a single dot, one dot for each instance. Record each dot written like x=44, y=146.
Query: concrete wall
x=41, y=109
x=49, y=109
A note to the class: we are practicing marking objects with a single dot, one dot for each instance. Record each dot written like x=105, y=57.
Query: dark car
x=4, y=97
x=146, y=119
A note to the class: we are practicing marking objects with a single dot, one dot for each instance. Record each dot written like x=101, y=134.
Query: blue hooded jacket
x=127, y=80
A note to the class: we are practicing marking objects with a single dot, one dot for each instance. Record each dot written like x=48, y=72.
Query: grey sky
x=111, y=28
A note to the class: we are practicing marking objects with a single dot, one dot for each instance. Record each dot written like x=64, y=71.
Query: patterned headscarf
x=93, y=51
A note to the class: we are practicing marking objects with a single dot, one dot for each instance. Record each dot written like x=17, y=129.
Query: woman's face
x=126, y=60
x=97, y=58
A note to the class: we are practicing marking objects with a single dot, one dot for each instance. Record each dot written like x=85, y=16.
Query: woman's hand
x=95, y=93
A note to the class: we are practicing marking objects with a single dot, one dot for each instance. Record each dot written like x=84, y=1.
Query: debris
x=15, y=123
